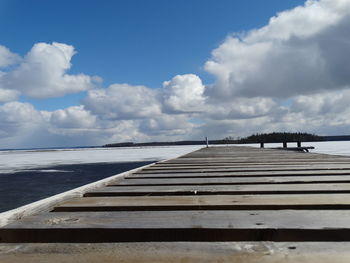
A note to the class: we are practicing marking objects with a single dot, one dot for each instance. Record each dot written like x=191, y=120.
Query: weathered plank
x=253, y=160
x=260, y=225
x=221, y=189
x=233, y=180
x=255, y=166
x=178, y=252
x=251, y=167
x=238, y=174
x=247, y=169
x=278, y=154
x=207, y=202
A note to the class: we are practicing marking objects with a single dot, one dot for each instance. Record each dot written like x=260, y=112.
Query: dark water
x=21, y=188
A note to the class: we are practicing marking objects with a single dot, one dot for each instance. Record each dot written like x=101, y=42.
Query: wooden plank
x=221, y=189
x=206, y=202
x=264, y=155
x=238, y=174
x=240, y=164
x=278, y=154
x=253, y=219
x=178, y=252
x=256, y=159
x=250, y=167
x=237, y=170
x=233, y=180
x=260, y=225
x=263, y=158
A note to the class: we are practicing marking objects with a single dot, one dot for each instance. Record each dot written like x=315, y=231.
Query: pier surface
x=217, y=204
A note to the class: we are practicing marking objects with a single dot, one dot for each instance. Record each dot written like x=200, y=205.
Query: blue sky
x=76, y=73
x=135, y=41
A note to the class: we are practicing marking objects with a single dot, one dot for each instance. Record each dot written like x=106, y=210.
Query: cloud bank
x=290, y=75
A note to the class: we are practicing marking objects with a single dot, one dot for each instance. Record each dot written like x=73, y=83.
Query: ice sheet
x=19, y=160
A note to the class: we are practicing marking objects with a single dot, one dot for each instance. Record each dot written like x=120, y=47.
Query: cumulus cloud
x=123, y=101
x=167, y=126
x=16, y=117
x=42, y=73
x=301, y=51
x=331, y=107
x=7, y=58
x=8, y=95
x=242, y=108
x=23, y=126
x=183, y=93
x=73, y=117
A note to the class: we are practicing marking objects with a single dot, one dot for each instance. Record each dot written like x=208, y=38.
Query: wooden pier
x=217, y=204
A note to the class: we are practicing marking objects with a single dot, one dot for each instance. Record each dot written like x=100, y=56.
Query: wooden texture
x=239, y=174
x=247, y=169
x=221, y=189
x=178, y=252
x=208, y=202
x=253, y=225
x=234, y=180
x=243, y=204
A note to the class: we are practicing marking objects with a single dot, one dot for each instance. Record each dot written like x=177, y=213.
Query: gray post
x=261, y=145
x=207, y=142
x=299, y=143
x=284, y=144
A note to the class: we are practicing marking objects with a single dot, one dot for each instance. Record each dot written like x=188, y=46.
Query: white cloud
x=7, y=58
x=330, y=108
x=73, y=117
x=167, y=127
x=123, y=101
x=302, y=21
x=125, y=131
x=301, y=51
x=16, y=117
x=183, y=93
x=8, y=95
x=241, y=108
x=22, y=126
x=43, y=73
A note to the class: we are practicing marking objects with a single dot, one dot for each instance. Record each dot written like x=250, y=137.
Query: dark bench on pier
x=299, y=148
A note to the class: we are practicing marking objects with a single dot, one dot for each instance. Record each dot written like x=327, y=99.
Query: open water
x=24, y=187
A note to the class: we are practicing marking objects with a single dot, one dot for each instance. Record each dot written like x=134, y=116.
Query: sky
x=88, y=72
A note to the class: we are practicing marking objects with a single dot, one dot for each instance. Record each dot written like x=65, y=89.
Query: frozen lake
x=30, y=175
x=20, y=160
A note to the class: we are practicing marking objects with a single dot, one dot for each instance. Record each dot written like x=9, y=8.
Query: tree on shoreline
x=275, y=137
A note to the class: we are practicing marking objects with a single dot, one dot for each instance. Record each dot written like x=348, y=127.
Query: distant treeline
x=280, y=137
x=131, y=144
x=274, y=137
